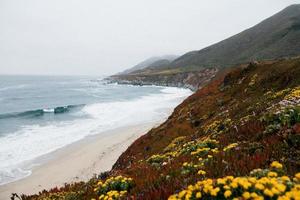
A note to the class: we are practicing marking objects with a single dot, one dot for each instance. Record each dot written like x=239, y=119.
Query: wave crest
x=40, y=112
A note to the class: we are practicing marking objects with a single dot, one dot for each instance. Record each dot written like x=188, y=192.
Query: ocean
x=40, y=114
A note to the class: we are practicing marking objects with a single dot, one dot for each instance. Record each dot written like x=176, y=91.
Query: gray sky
x=96, y=37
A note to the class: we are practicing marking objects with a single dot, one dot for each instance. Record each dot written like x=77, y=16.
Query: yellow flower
x=281, y=187
x=285, y=178
x=188, y=196
x=259, y=186
x=276, y=165
x=226, y=187
x=252, y=179
x=190, y=188
x=253, y=195
x=245, y=184
x=214, y=192
x=215, y=150
x=297, y=176
x=221, y=181
x=123, y=192
x=266, y=187
x=234, y=185
x=182, y=193
x=99, y=183
x=272, y=174
x=259, y=198
x=227, y=193
x=201, y=172
x=268, y=192
x=246, y=195
x=198, y=195
x=274, y=191
x=230, y=146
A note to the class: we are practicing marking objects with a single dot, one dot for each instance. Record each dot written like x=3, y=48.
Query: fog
x=101, y=37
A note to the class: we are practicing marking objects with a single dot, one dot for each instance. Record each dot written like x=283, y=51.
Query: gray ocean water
x=39, y=114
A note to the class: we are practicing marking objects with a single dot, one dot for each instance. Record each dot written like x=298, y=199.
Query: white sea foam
x=17, y=150
x=48, y=110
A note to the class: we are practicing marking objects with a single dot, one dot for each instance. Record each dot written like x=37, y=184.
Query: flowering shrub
x=201, y=151
x=61, y=195
x=278, y=94
x=286, y=117
x=113, y=188
x=198, y=148
x=286, y=113
x=189, y=168
x=291, y=98
x=157, y=159
x=218, y=127
x=294, y=94
x=172, y=146
x=266, y=186
x=199, y=145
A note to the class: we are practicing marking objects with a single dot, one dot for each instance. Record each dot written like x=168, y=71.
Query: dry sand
x=78, y=161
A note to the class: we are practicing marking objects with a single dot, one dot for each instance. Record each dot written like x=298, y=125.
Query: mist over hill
x=152, y=61
x=275, y=37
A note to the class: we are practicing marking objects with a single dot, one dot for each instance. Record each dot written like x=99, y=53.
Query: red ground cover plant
x=227, y=123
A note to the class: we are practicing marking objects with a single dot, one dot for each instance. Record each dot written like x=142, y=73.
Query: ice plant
x=247, y=187
x=113, y=188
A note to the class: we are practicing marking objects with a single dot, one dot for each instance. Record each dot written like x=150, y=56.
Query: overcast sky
x=96, y=37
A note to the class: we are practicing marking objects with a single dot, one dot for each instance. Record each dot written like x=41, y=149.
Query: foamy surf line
x=20, y=149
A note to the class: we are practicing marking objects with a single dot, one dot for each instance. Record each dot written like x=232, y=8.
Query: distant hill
x=273, y=38
x=160, y=63
x=153, y=61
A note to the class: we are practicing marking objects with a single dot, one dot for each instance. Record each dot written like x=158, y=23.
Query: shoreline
x=78, y=161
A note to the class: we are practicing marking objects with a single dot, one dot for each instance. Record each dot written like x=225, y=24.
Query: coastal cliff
x=186, y=79
x=237, y=137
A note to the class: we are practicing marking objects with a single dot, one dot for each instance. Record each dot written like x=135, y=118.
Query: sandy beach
x=78, y=161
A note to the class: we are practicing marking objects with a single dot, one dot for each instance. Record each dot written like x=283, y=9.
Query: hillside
x=153, y=61
x=236, y=138
x=273, y=38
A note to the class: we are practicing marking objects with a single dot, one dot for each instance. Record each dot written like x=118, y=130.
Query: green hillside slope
x=275, y=37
